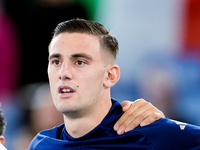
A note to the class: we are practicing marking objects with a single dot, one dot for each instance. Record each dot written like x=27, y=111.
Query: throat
x=82, y=122
x=73, y=126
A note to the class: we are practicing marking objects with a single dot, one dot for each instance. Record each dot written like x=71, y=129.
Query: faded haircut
x=107, y=41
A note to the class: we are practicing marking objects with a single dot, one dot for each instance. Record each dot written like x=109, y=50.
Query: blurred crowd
x=170, y=82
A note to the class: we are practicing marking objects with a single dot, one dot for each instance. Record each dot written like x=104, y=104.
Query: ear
x=2, y=140
x=112, y=76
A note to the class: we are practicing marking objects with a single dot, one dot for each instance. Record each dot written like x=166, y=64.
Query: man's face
x=76, y=72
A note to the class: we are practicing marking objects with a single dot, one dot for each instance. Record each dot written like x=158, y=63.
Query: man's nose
x=65, y=71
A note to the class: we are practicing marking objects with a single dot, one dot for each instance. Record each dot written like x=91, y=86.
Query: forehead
x=74, y=42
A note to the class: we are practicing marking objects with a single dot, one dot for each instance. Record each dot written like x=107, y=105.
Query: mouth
x=65, y=91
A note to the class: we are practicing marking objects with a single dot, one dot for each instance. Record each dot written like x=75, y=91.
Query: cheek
x=52, y=83
x=93, y=80
x=49, y=74
x=52, y=75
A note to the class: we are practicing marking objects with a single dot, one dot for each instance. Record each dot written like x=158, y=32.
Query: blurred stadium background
x=159, y=57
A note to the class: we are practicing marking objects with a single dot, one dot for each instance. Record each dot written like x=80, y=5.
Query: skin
x=76, y=62
x=2, y=140
x=139, y=112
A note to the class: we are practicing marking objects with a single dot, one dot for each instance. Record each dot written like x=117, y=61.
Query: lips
x=65, y=91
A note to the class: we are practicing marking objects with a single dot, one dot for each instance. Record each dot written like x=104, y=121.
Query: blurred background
x=159, y=57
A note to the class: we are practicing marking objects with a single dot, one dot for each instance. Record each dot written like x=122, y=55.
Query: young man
x=81, y=71
x=2, y=128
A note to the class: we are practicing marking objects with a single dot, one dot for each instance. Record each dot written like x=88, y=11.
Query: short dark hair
x=89, y=27
x=2, y=122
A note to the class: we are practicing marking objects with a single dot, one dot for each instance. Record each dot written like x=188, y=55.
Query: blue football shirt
x=164, y=134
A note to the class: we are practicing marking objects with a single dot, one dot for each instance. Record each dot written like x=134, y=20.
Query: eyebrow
x=54, y=56
x=82, y=55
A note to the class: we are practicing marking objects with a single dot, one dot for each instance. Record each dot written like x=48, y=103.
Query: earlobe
x=2, y=140
x=112, y=76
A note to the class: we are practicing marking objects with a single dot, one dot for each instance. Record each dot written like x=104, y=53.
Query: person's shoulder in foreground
x=172, y=135
x=164, y=134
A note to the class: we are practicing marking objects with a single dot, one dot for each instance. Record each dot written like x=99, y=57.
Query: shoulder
x=171, y=133
x=45, y=137
x=171, y=127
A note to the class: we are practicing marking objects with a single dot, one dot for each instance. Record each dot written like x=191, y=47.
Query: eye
x=80, y=63
x=56, y=62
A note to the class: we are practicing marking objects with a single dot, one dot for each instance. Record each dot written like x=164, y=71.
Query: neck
x=79, y=126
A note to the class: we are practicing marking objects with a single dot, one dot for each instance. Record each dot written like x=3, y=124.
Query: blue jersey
x=164, y=134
